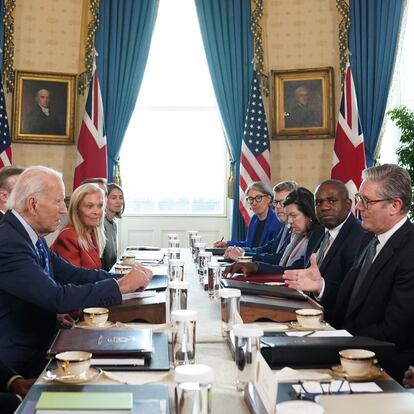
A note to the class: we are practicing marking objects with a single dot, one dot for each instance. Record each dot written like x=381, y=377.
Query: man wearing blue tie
x=35, y=283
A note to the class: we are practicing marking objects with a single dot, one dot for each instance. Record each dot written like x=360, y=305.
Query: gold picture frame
x=302, y=103
x=44, y=108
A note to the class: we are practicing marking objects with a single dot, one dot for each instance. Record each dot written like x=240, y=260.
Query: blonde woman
x=82, y=241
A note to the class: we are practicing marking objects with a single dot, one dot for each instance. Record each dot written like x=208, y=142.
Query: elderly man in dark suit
x=376, y=298
x=35, y=283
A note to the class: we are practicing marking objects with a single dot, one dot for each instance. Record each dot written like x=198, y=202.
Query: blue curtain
x=373, y=36
x=225, y=29
x=122, y=41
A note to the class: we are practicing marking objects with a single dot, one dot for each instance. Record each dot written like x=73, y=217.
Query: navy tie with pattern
x=363, y=271
x=322, y=248
x=44, y=257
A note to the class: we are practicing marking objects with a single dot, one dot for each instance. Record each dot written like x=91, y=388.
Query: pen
x=222, y=239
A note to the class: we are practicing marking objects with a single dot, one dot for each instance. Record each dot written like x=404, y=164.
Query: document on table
x=320, y=334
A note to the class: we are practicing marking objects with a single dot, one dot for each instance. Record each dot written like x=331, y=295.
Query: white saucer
x=298, y=327
x=84, y=325
x=52, y=375
x=339, y=371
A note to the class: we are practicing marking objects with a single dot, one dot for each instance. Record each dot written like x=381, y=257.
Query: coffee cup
x=309, y=318
x=95, y=316
x=121, y=269
x=73, y=363
x=128, y=259
x=357, y=362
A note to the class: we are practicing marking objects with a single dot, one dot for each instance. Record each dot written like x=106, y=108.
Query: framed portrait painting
x=44, y=108
x=302, y=103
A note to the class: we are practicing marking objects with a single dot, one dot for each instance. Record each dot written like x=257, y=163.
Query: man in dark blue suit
x=342, y=240
x=35, y=283
x=376, y=297
x=270, y=252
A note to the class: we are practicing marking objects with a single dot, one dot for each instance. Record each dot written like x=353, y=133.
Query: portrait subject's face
x=302, y=96
x=43, y=98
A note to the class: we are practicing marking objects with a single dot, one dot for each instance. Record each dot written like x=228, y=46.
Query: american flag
x=349, y=152
x=91, y=158
x=5, y=141
x=255, y=151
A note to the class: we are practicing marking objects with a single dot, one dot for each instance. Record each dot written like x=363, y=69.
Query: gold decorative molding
x=92, y=15
x=345, y=22
x=8, y=47
x=258, y=59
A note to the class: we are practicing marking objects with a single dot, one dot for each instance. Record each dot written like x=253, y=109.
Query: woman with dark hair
x=264, y=223
x=115, y=206
x=306, y=233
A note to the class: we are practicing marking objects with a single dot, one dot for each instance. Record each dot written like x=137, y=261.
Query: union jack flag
x=255, y=151
x=349, y=152
x=91, y=159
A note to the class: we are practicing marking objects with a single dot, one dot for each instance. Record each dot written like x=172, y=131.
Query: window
x=402, y=92
x=174, y=154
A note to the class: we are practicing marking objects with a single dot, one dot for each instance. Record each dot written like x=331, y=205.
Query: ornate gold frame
x=319, y=82
x=62, y=88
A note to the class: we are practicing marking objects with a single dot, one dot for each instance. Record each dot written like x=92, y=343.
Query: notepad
x=85, y=403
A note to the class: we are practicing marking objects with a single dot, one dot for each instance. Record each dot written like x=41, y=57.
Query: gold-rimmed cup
x=73, y=363
x=309, y=318
x=96, y=316
x=357, y=362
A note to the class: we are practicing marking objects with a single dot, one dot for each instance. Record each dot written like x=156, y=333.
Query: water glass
x=183, y=336
x=247, y=345
x=198, y=247
x=204, y=258
x=191, y=233
x=213, y=278
x=194, y=240
x=230, y=309
x=174, y=243
x=178, y=292
x=193, y=390
x=176, y=269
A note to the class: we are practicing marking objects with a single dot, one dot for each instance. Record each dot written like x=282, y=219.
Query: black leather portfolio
x=216, y=251
x=312, y=351
x=252, y=288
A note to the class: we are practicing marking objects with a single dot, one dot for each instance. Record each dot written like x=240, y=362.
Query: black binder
x=252, y=288
x=314, y=351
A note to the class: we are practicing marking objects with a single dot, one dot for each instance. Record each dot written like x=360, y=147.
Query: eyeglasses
x=310, y=390
x=366, y=201
x=258, y=199
x=278, y=203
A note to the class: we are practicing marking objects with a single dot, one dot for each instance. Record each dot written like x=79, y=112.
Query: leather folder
x=314, y=351
x=260, y=278
x=252, y=288
x=217, y=251
x=104, y=342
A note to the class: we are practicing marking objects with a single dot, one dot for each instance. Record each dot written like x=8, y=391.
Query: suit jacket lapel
x=396, y=240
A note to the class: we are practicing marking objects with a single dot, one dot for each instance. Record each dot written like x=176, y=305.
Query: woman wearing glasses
x=264, y=223
x=306, y=234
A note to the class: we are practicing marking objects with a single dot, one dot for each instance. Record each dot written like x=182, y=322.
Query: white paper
x=288, y=374
x=315, y=387
x=266, y=384
x=117, y=361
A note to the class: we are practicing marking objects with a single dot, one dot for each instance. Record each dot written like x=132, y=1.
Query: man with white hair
x=35, y=283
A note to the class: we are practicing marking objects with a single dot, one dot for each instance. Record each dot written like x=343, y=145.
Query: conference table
x=211, y=349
